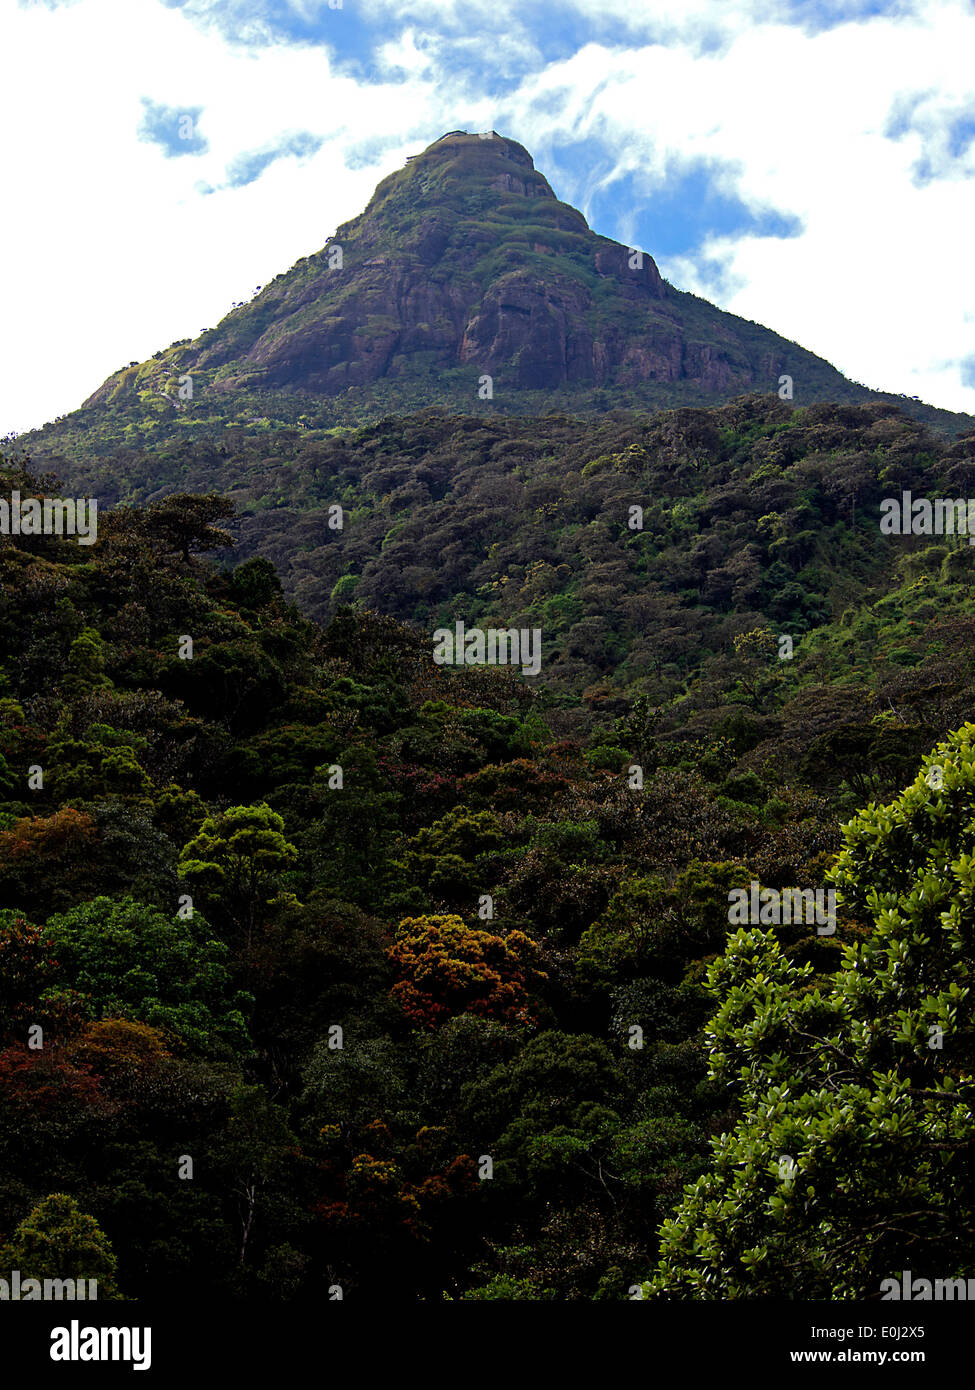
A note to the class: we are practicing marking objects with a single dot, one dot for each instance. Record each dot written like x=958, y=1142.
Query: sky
x=808, y=164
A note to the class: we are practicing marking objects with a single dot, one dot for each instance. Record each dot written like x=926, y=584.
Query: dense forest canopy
x=325, y=966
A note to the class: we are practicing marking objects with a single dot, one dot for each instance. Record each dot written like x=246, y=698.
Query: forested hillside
x=641, y=547
x=355, y=971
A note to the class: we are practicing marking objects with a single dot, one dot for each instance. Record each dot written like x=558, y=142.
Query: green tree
x=57, y=1240
x=255, y=583
x=185, y=522
x=545, y=1111
x=253, y=1155
x=86, y=661
x=853, y=1157
x=237, y=859
x=444, y=856
x=131, y=961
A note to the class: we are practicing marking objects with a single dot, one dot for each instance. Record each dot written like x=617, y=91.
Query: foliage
x=56, y=1240
x=296, y=980
x=854, y=1142
x=130, y=961
x=446, y=968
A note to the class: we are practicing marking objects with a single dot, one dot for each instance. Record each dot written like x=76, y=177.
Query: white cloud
x=881, y=281
x=113, y=253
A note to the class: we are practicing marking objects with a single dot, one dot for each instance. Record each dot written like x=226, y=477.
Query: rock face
x=463, y=264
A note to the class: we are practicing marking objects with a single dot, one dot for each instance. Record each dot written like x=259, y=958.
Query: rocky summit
x=466, y=285
x=465, y=264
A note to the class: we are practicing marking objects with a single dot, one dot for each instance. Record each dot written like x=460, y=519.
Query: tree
x=48, y=859
x=549, y=1115
x=234, y=681
x=103, y=763
x=57, y=1240
x=443, y=857
x=652, y=929
x=255, y=583
x=131, y=961
x=759, y=674
x=253, y=1155
x=853, y=1158
x=119, y=1050
x=238, y=858
x=447, y=968
x=348, y=846
x=27, y=962
x=185, y=522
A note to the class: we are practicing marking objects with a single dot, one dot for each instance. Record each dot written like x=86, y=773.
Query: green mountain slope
x=754, y=516
x=358, y=905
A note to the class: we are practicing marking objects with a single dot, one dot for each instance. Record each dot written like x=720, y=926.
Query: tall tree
x=57, y=1240
x=853, y=1158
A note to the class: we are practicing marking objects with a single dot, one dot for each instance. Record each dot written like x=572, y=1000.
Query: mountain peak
x=488, y=145
x=458, y=173
x=465, y=266
x=490, y=139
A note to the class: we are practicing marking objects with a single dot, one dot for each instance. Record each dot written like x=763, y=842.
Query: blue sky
x=809, y=165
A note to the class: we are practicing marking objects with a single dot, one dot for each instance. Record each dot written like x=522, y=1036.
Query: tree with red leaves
x=447, y=968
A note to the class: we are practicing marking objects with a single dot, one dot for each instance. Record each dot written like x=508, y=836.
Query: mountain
x=352, y=379
x=441, y=913
x=752, y=515
x=464, y=265
x=466, y=262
